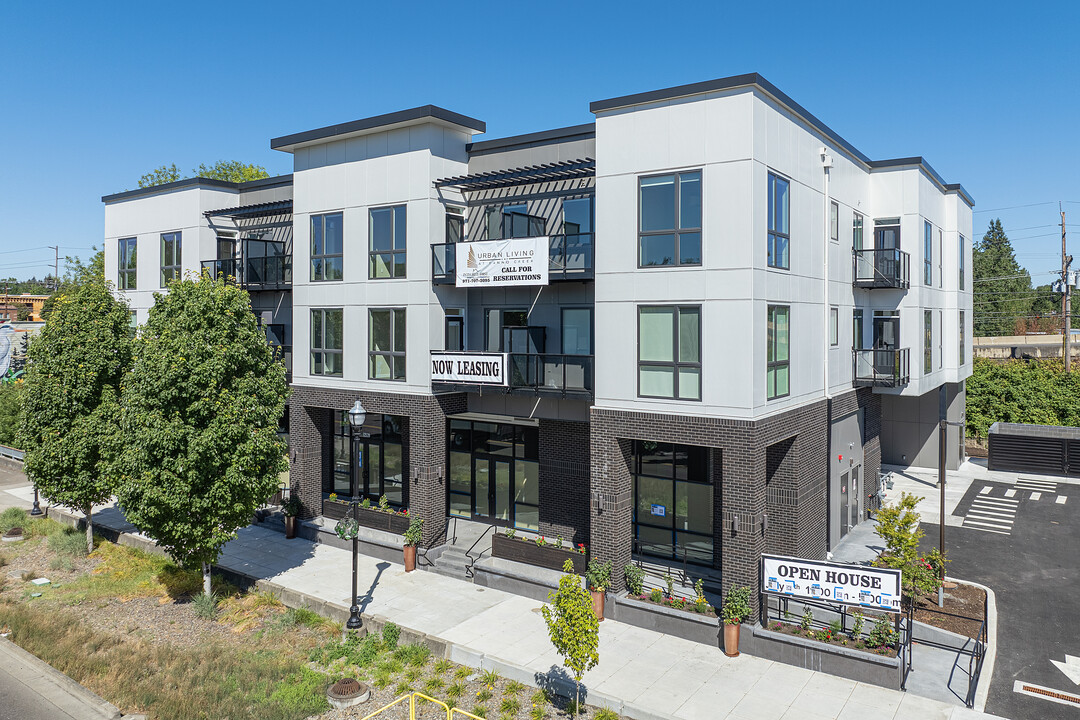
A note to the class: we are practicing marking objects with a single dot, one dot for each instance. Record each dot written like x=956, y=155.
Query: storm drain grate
x=1052, y=694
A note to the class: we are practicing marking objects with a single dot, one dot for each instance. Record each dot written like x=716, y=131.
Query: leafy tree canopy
x=200, y=414
x=9, y=411
x=230, y=170
x=71, y=399
x=1001, y=301
x=573, y=628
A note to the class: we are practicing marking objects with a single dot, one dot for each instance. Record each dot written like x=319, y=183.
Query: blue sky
x=93, y=95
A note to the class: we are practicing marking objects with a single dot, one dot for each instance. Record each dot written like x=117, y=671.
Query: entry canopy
x=489, y=418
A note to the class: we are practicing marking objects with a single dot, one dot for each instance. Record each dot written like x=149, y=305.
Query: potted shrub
x=412, y=539
x=736, y=609
x=598, y=575
x=291, y=509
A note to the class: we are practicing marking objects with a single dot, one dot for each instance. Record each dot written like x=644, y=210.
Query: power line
x=1015, y=207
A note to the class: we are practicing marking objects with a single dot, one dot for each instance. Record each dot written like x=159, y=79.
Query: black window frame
x=834, y=326
x=325, y=256
x=340, y=427
x=704, y=466
x=928, y=253
x=320, y=348
x=675, y=364
x=454, y=224
x=963, y=349
x=834, y=221
x=960, y=245
x=858, y=224
x=392, y=354
x=928, y=342
x=394, y=250
x=127, y=263
x=677, y=230
x=775, y=235
x=771, y=365
x=174, y=270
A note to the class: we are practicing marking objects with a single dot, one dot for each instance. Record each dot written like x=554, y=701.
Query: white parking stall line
x=978, y=512
x=982, y=529
x=1000, y=502
x=983, y=523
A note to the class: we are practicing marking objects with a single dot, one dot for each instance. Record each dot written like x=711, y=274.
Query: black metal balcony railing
x=220, y=268
x=262, y=265
x=885, y=268
x=543, y=374
x=882, y=368
x=570, y=257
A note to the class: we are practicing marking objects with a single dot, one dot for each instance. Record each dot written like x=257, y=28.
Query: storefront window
x=369, y=462
x=673, y=502
x=494, y=473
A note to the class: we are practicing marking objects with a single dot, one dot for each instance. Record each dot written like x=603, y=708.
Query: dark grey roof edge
x=167, y=187
x=400, y=116
x=921, y=162
x=728, y=83
x=544, y=137
x=274, y=181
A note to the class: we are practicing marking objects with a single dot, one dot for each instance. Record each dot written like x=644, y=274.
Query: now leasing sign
x=495, y=263
x=876, y=588
x=471, y=368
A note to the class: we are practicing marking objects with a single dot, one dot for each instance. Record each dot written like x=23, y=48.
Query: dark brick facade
x=791, y=446
x=424, y=436
x=564, y=480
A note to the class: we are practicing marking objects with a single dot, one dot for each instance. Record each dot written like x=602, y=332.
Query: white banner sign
x=471, y=368
x=494, y=263
x=831, y=582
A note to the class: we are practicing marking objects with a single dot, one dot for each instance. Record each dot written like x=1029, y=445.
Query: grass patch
x=205, y=606
x=484, y=694
x=606, y=713
x=490, y=677
x=514, y=687
x=170, y=683
x=462, y=672
x=62, y=562
x=11, y=518
x=391, y=633
x=433, y=685
x=479, y=711
x=440, y=667
x=415, y=655
x=509, y=706
x=68, y=541
x=454, y=692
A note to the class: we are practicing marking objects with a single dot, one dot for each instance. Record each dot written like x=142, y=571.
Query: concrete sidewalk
x=641, y=674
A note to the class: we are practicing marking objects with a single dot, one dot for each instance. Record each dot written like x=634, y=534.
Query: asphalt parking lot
x=1022, y=540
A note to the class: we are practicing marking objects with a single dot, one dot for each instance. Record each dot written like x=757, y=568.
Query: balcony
x=884, y=268
x=285, y=353
x=882, y=368
x=538, y=375
x=262, y=265
x=570, y=257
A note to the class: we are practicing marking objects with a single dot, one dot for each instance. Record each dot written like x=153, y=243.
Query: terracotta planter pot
x=290, y=527
x=731, y=639
x=598, y=603
x=410, y=558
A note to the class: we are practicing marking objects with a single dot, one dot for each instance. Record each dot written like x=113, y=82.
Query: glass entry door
x=494, y=473
x=492, y=489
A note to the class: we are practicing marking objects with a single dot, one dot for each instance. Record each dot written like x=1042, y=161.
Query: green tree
x=231, y=170
x=160, y=176
x=10, y=415
x=71, y=400
x=572, y=627
x=200, y=414
x=898, y=527
x=76, y=274
x=999, y=302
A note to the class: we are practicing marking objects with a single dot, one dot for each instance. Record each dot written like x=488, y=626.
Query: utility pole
x=1066, y=301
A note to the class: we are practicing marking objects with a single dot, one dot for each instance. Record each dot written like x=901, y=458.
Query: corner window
x=834, y=222
x=928, y=253
x=386, y=242
x=857, y=329
x=669, y=225
x=669, y=352
x=673, y=502
x=455, y=224
x=386, y=344
x=126, y=261
x=834, y=326
x=857, y=232
x=327, y=240
x=779, y=207
x=170, y=257
x=928, y=339
x=326, y=342
x=777, y=373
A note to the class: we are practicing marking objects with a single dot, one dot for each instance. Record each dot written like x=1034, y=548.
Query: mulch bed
x=688, y=606
x=962, y=614
x=838, y=640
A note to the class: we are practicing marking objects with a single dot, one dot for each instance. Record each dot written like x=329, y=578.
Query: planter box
x=691, y=626
x=813, y=655
x=377, y=519
x=528, y=552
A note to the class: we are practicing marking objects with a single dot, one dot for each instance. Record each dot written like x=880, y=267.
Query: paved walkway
x=642, y=674
x=30, y=689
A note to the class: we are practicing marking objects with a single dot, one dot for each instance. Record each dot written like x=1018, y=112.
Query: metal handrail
x=468, y=553
x=888, y=367
x=887, y=268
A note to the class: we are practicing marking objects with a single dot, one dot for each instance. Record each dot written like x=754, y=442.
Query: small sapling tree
x=573, y=628
x=70, y=405
x=200, y=415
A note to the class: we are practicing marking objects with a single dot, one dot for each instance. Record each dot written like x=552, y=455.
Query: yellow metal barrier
x=451, y=713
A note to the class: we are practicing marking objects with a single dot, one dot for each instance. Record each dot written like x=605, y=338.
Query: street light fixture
x=37, y=506
x=357, y=416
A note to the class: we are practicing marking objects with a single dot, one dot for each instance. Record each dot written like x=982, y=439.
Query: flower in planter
x=541, y=541
x=581, y=548
x=333, y=497
x=366, y=504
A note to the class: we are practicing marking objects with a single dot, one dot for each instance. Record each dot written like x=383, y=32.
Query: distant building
x=11, y=304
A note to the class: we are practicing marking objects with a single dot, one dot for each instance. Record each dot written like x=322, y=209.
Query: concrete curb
x=54, y=686
x=983, y=690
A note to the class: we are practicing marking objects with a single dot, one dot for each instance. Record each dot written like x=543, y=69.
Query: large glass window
x=386, y=349
x=834, y=222
x=834, y=326
x=857, y=329
x=326, y=342
x=673, y=502
x=327, y=241
x=779, y=221
x=386, y=236
x=577, y=331
x=669, y=352
x=857, y=231
x=928, y=340
x=960, y=260
x=455, y=224
x=963, y=358
x=495, y=473
x=928, y=253
x=669, y=231
x=368, y=462
x=126, y=261
x=170, y=257
x=455, y=330
x=777, y=374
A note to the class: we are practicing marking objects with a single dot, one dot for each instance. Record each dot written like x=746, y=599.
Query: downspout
x=826, y=165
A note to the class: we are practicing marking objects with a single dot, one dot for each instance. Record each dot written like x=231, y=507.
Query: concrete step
x=452, y=571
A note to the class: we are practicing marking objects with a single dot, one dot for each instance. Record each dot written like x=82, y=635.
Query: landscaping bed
x=962, y=614
x=701, y=609
x=134, y=628
x=826, y=636
x=539, y=551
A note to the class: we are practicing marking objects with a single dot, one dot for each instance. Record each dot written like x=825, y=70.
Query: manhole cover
x=346, y=687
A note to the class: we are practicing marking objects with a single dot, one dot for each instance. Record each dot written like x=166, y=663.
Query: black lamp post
x=357, y=416
x=37, y=506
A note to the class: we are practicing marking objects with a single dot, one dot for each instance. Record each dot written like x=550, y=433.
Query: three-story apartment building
x=690, y=331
